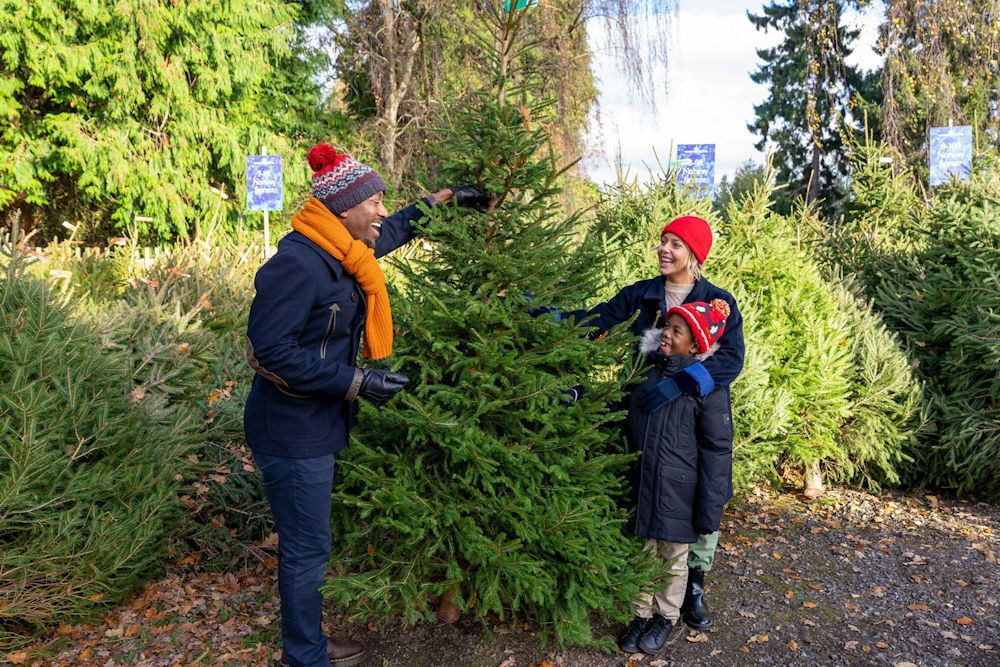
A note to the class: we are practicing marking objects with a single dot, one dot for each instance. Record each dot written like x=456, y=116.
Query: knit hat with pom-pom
x=340, y=181
x=707, y=321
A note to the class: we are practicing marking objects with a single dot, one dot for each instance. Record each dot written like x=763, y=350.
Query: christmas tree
x=484, y=483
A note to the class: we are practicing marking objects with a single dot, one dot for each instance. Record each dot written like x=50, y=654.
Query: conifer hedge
x=930, y=267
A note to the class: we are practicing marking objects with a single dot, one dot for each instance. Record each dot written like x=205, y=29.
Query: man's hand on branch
x=467, y=196
x=378, y=387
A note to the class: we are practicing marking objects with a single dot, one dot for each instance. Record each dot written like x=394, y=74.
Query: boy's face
x=676, y=337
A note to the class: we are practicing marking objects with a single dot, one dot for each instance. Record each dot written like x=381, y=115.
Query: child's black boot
x=629, y=640
x=695, y=610
x=654, y=640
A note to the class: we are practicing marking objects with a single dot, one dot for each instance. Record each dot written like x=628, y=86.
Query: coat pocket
x=291, y=419
x=676, y=491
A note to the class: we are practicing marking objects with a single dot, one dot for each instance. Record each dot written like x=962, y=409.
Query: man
x=313, y=298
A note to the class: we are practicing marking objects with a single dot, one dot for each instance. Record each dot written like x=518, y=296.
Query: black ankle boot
x=695, y=610
x=629, y=640
x=654, y=640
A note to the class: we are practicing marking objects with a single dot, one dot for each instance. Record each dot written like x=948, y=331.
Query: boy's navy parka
x=303, y=334
x=682, y=479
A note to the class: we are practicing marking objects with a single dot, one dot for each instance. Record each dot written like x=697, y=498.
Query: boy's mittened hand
x=659, y=395
x=687, y=384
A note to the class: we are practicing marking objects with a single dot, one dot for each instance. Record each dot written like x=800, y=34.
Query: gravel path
x=850, y=579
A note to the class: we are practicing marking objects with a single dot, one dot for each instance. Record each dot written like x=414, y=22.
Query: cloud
x=709, y=96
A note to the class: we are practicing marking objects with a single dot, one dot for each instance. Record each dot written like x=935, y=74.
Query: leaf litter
x=897, y=579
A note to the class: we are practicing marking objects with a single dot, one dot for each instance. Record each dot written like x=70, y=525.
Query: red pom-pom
x=721, y=307
x=321, y=155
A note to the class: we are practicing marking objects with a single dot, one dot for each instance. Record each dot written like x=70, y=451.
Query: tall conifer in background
x=940, y=69
x=478, y=482
x=814, y=96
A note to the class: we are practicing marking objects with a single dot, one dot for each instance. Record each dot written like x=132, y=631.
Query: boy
x=682, y=480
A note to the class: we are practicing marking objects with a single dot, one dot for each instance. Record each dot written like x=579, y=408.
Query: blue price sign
x=264, y=183
x=950, y=153
x=697, y=167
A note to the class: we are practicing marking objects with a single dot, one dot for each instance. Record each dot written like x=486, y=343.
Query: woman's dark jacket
x=303, y=335
x=647, y=297
x=683, y=477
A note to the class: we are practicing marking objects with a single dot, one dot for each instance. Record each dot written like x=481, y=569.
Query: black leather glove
x=469, y=196
x=378, y=387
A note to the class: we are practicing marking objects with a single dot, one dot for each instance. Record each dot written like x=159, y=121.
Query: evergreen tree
x=90, y=470
x=814, y=97
x=134, y=108
x=480, y=483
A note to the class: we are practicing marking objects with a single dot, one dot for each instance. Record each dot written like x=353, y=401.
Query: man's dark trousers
x=299, y=493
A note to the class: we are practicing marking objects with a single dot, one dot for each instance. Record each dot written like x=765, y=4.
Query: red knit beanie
x=340, y=181
x=695, y=232
x=707, y=320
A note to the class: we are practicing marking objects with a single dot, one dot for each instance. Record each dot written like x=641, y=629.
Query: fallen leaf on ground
x=697, y=637
x=793, y=645
x=965, y=620
x=881, y=645
x=758, y=639
x=747, y=614
x=809, y=605
x=917, y=607
x=851, y=645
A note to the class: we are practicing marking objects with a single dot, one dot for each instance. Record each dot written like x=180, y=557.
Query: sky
x=704, y=96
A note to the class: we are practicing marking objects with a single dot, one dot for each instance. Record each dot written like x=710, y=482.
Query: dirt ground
x=850, y=579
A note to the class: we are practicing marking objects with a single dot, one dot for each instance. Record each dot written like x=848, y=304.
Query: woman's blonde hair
x=693, y=266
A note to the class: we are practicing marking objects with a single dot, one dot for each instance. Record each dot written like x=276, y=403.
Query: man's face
x=364, y=221
x=676, y=337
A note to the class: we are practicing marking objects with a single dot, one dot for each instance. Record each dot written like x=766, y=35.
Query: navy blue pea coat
x=303, y=335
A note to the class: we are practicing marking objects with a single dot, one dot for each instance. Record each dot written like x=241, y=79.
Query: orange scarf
x=324, y=229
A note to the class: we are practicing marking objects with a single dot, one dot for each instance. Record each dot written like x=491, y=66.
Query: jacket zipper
x=334, y=309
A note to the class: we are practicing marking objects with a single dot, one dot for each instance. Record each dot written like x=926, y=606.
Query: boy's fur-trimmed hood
x=650, y=340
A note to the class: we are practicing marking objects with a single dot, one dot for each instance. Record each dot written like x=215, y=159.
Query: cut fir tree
x=483, y=483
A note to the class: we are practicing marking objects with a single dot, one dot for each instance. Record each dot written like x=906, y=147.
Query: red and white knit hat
x=340, y=181
x=707, y=321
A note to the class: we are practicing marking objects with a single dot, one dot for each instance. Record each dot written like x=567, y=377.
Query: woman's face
x=674, y=256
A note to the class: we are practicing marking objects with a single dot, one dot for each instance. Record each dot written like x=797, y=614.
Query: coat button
x=354, y=295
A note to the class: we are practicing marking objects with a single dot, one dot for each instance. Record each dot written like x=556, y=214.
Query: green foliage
x=930, y=268
x=119, y=109
x=477, y=481
x=823, y=381
x=89, y=472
